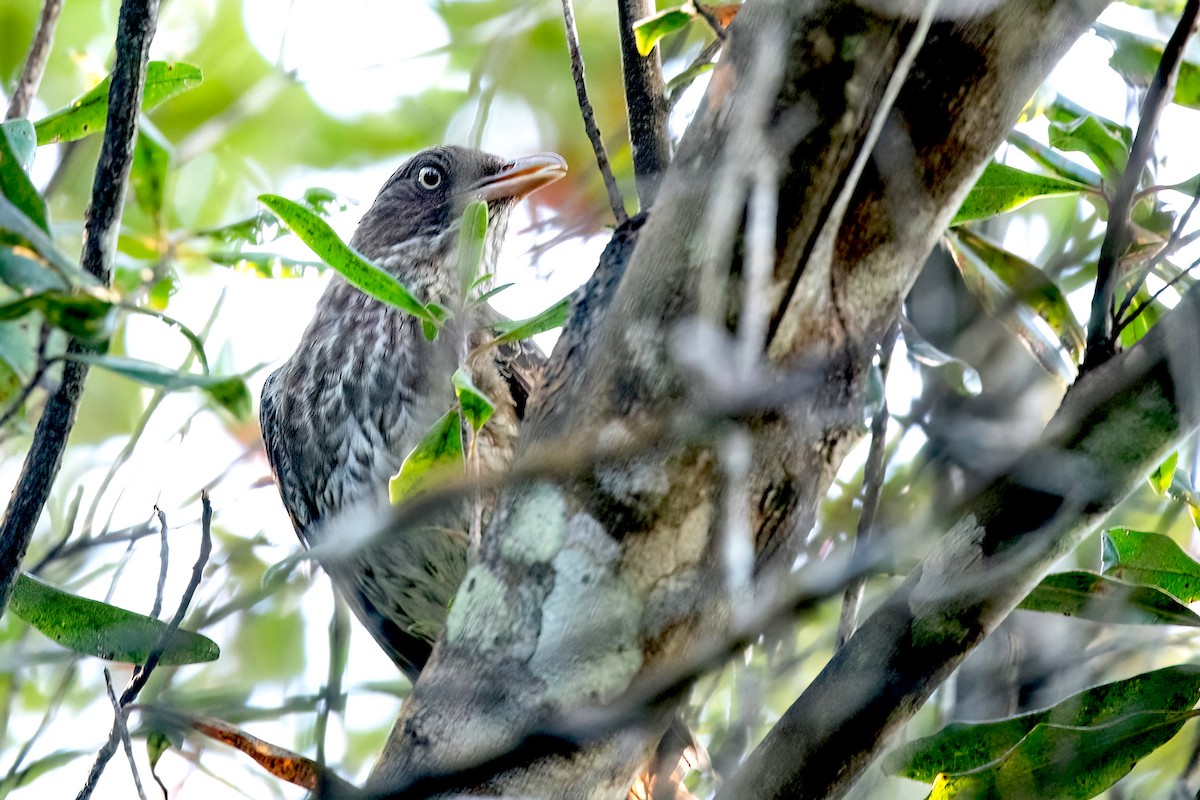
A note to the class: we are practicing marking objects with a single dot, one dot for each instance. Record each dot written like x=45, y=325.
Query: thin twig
x=1137, y=312
x=1101, y=344
x=645, y=103
x=140, y=676
x=123, y=729
x=332, y=698
x=873, y=476
x=39, y=372
x=135, y=28
x=1171, y=246
x=705, y=56
x=35, y=62
x=615, y=201
x=164, y=553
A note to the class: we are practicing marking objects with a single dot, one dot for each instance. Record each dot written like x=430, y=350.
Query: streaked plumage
x=364, y=385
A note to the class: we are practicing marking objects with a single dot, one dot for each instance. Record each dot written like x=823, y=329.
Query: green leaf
x=958, y=374
x=102, y=630
x=22, y=141
x=517, y=329
x=1067, y=763
x=14, y=173
x=997, y=278
x=647, y=32
x=18, y=359
x=27, y=274
x=472, y=236
x=1135, y=58
x=1148, y=313
x=316, y=233
x=80, y=314
x=88, y=113
x=476, y=408
x=16, y=221
x=964, y=746
x=148, y=177
x=1150, y=559
x=438, y=454
x=1054, y=161
x=1003, y=188
x=1089, y=595
x=1089, y=136
x=1164, y=473
x=228, y=391
x=37, y=768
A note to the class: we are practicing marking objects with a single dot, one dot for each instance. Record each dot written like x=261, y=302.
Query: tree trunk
x=820, y=120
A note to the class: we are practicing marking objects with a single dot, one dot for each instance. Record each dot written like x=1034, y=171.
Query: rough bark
x=587, y=585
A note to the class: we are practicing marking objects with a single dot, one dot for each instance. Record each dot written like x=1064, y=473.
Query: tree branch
x=1114, y=426
x=1117, y=237
x=615, y=201
x=135, y=29
x=645, y=103
x=35, y=62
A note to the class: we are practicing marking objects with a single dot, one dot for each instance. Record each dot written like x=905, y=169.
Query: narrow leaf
x=1054, y=161
x=472, y=236
x=22, y=140
x=439, y=453
x=88, y=113
x=1067, y=763
x=228, y=391
x=14, y=173
x=964, y=746
x=1023, y=299
x=1164, y=473
x=321, y=239
x=80, y=314
x=102, y=630
x=1089, y=595
x=16, y=221
x=21, y=270
x=18, y=358
x=647, y=32
x=1089, y=136
x=148, y=177
x=1135, y=58
x=476, y=408
x=518, y=329
x=1003, y=188
x=1150, y=559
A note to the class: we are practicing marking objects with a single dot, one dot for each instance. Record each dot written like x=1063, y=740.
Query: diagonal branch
x=135, y=29
x=35, y=62
x=1114, y=426
x=1117, y=237
x=589, y=117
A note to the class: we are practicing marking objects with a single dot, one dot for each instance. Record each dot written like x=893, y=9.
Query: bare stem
x=1100, y=341
x=589, y=117
x=35, y=62
x=645, y=103
x=135, y=29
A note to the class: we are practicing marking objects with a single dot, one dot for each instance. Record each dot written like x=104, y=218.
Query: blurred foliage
x=1024, y=256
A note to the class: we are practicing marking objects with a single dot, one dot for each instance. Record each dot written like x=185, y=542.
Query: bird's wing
x=271, y=418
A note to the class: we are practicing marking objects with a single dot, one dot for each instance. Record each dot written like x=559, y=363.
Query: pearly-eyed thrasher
x=365, y=385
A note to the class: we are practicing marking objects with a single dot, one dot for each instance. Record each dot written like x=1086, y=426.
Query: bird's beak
x=522, y=177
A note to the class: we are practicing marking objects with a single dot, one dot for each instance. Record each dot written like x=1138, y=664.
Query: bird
x=364, y=385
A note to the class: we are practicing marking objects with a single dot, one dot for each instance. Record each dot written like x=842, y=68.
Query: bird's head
x=413, y=224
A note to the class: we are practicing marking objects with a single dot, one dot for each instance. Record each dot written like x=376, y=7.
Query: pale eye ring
x=429, y=178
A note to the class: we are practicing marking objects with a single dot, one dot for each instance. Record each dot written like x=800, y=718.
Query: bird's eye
x=429, y=177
